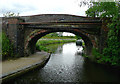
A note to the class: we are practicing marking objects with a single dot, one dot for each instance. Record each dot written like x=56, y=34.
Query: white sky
x=33, y=7
x=68, y=34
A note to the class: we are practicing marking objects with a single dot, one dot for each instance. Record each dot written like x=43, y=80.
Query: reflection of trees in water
x=59, y=49
x=55, y=47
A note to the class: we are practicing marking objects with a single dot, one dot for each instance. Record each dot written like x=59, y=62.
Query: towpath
x=14, y=66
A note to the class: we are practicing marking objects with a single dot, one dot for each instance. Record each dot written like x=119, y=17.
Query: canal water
x=67, y=65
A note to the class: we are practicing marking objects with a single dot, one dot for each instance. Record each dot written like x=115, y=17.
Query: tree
x=102, y=9
x=60, y=33
x=10, y=14
x=54, y=34
x=108, y=9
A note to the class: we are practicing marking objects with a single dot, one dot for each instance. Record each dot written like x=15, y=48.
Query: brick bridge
x=24, y=31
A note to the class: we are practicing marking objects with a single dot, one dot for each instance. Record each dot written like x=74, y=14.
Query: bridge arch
x=24, y=31
x=32, y=38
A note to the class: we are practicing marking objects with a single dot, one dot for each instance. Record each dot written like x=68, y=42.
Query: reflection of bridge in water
x=24, y=31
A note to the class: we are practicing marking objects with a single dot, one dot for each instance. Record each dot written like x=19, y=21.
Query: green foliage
x=84, y=55
x=52, y=47
x=41, y=47
x=102, y=9
x=78, y=37
x=111, y=54
x=51, y=36
x=106, y=58
x=46, y=42
x=96, y=53
x=7, y=48
x=112, y=51
x=41, y=43
x=10, y=14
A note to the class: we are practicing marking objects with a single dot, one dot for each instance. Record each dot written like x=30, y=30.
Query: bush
x=105, y=57
x=7, y=48
x=111, y=52
x=40, y=47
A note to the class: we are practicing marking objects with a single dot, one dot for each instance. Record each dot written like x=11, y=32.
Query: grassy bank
x=58, y=37
x=40, y=45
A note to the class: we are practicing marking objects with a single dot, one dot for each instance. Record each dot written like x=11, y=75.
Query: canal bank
x=43, y=43
x=14, y=68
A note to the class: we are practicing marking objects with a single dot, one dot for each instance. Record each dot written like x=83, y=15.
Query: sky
x=68, y=34
x=34, y=7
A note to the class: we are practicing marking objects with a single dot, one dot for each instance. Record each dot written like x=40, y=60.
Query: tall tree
x=109, y=9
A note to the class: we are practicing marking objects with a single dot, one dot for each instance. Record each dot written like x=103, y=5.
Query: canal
x=66, y=65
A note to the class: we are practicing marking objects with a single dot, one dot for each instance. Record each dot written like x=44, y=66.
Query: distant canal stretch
x=65, y=65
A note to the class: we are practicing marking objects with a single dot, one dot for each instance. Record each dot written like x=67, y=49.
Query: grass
x=40, y=45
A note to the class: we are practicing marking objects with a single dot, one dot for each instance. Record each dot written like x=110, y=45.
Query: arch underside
x=30, y=42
